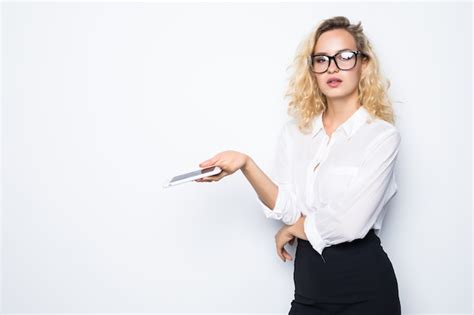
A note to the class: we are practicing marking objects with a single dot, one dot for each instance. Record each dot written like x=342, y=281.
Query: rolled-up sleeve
x=286, y=204
x=355, y=213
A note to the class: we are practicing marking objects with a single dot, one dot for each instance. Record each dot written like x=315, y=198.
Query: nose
x=332, y=66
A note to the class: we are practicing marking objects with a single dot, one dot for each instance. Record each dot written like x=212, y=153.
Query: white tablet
x=187, y=177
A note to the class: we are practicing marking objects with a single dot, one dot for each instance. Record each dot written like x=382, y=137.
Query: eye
x=320, y=59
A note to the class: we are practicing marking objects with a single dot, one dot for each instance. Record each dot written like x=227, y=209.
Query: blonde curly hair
x=307, y=100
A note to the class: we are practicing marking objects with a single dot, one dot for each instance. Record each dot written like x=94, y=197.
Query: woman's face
x=329, y=43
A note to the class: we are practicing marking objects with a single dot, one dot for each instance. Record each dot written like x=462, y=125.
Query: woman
x=333, y=175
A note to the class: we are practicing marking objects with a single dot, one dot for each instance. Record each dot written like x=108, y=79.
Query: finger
x=215, y=178
x=279, y=253
x=206, y=179
x=219, y=176
x=286, y=254
x=208, y=162
x=204, y=163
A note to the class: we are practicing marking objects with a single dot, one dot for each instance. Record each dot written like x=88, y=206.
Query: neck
x=340, y=109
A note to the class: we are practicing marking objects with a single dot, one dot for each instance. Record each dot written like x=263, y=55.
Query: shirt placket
x=315, y=165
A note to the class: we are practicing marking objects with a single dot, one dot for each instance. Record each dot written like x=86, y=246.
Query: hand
x=229, y=161
x=282, y=238
x=297, y=229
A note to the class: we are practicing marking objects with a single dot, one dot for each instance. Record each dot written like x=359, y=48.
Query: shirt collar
x=350, y=126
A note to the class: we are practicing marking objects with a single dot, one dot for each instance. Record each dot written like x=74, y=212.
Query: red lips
x=333, y=79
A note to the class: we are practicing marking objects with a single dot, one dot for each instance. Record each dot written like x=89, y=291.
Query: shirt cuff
x=279, y=210
x=312, y=233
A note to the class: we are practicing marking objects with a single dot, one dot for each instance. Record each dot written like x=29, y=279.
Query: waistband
x=369, y=238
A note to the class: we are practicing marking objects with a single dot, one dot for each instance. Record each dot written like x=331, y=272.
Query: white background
x=102, y=102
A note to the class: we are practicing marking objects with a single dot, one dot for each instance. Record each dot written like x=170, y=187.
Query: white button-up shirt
x=339, y=183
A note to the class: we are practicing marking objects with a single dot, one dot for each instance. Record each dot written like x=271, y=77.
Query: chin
x=335, y=93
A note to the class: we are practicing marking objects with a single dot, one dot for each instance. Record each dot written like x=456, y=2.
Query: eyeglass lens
x=345, y=60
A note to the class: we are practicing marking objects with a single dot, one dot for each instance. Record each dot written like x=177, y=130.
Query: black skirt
x=350, y=278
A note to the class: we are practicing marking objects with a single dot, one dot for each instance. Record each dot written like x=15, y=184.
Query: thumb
x=286, y=254
x=206, y=163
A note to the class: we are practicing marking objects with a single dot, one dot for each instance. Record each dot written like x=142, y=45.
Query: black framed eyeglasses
x=345, y=60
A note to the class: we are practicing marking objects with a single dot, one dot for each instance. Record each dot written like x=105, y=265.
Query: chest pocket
x=336, y=182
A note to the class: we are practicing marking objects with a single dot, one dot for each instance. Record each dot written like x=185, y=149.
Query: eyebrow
x=325, y=53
